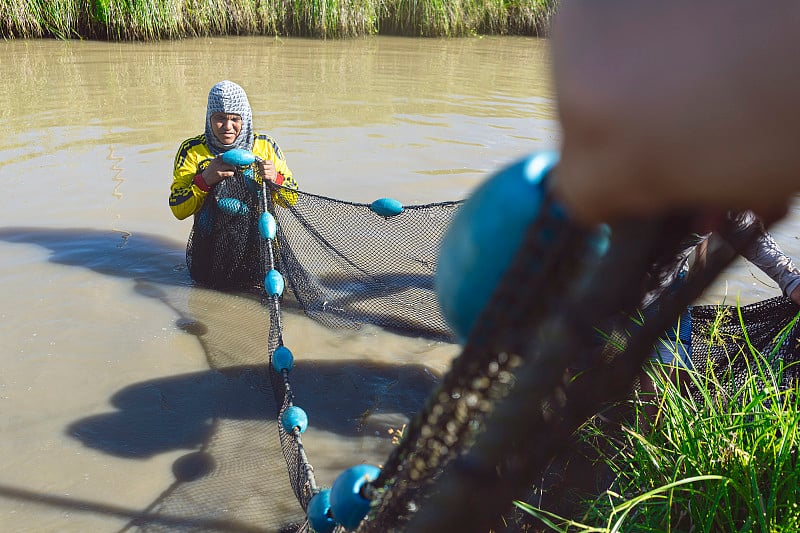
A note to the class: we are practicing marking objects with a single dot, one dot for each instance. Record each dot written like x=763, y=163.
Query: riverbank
x=149, y=20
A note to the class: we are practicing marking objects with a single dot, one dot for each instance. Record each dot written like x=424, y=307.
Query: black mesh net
x=760, y=339
x=225, y=250
x=347, y=265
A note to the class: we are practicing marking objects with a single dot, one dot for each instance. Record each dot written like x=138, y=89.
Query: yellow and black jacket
x=188, y=189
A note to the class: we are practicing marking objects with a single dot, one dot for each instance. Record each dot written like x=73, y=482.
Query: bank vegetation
x=148, y=20
x=724, y=458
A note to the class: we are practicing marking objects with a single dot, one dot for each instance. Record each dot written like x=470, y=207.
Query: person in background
x=198, y=163
x=747, y=235
x=225, y=250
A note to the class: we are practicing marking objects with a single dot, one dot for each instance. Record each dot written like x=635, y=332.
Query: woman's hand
x=217, y=171
x=268, y=171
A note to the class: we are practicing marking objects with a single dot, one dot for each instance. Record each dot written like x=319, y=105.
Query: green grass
x=722, y=459
x=149, y=20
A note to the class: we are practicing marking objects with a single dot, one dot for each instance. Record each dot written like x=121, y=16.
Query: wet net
x=733, y=343
x=348, y=264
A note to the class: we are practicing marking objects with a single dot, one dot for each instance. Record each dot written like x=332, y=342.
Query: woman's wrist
x=201, y=182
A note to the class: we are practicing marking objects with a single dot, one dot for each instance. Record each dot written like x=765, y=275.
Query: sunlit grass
x=171, y=19
x=723, y=458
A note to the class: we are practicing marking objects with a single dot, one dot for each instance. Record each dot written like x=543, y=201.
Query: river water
x=95, y=293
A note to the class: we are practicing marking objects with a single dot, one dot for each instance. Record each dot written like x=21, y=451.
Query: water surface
x=105, y=385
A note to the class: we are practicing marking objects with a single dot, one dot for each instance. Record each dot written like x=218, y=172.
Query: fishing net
x=348, y=264
x=225, y=250
x=761, y=339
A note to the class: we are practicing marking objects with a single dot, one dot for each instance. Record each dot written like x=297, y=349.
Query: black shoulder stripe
x=187, y=145
x=272, y=142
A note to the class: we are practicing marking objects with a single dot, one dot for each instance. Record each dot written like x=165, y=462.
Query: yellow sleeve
x=186, y=196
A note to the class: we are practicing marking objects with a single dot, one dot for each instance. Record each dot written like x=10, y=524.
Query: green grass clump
x=723, y=458
x=41, y=18
x=171, y=19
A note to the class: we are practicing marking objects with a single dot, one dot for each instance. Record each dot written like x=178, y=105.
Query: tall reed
x=724, y=458
x=171, y=19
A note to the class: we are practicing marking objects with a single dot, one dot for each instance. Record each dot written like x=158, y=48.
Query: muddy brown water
x=99, y=362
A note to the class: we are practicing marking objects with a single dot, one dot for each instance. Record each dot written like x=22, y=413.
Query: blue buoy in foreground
x=348, y=506
x=386, y=207
x=484, y=236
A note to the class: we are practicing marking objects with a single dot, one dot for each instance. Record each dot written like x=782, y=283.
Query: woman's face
x=226, y=126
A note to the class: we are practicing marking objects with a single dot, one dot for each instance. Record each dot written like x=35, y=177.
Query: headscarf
x=228, y=97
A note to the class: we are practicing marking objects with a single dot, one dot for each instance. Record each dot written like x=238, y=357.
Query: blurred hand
x=680, y=104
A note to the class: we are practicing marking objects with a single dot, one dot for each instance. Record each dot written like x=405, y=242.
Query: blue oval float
x=238, y=157
x=386, y=207
x=483, y=237
x=274, y=283
x=348, y=506
x=267, y=226
x=294, y=417
x=233, y=207
x=282, y=359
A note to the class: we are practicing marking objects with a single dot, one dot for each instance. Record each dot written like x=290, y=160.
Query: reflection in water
x=118, y=180
x=303, y=83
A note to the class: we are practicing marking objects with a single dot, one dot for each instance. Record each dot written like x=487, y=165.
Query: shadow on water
x=178, y=412
x=223, y=415
x=151, y=259
x=140, y=256
x=171, y=413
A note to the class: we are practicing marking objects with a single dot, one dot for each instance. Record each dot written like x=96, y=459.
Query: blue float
x=239, y=157
x=348, y=506
x=250, y=179
x=294, y=417
x=484, y=236
x=233, y=206
x=319, y=512
x=205, y=221
x=282, y=359
x=274, y=283
x=386, y=207
x=267, y=226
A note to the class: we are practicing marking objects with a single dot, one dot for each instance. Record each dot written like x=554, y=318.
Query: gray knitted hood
x=228, y=97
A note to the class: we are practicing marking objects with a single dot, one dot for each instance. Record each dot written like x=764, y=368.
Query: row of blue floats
x=342, y=504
